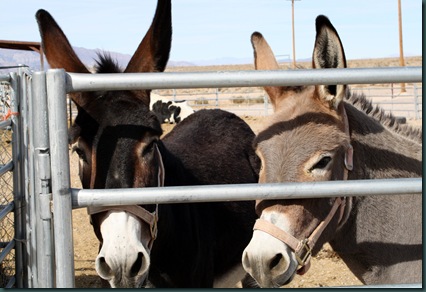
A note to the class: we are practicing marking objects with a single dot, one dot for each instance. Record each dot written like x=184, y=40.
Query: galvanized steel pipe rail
x=244, y=192
x=4, y=78
x=176, y=80
x=6, y=167
x=5, y=124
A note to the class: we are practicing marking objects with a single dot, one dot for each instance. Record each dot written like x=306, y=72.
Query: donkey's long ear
x=264, y=59
x=328, y=53
x=59, y=52
x=154, y=50
x=56, y=46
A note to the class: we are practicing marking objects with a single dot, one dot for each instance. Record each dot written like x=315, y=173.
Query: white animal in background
x=169, y=111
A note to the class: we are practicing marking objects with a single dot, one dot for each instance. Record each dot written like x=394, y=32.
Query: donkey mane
x=106, y=64
x=385, y=118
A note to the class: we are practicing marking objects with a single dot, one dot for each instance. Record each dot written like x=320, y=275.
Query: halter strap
x=143, y=214
x=303, y=248
x=150, y=218
x=349, y=153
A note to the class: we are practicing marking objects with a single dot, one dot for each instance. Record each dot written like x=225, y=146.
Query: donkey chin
x=269, y=261
x=134, y=282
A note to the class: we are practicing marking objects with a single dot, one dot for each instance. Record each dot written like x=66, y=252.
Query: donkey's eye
x=80, y=153
x=148, y=149
x=322, y=163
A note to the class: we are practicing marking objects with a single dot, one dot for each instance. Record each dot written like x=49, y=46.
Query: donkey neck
x=379, y=151
x=175, y=172
x=367, y=241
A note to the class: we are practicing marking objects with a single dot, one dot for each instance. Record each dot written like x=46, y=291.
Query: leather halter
x=150, y=218
x=303, y=248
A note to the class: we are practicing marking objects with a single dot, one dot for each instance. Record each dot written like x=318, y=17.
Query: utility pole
x=292, y=29
x=401, y=51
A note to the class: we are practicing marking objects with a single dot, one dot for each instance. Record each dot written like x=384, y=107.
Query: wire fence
x=7, y=233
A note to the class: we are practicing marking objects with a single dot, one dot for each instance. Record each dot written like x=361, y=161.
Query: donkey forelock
x=106, y=64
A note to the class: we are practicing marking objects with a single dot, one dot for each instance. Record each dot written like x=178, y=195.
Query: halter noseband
x=303, y=248
x=150, y=218
x=143, y=214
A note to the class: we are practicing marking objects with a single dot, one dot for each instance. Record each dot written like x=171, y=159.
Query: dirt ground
x=327, y=268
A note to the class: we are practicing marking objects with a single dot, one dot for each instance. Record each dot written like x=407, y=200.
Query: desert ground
x=327, y=268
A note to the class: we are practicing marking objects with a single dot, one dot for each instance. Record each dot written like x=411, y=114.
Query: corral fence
x=253, y=101
x=15, y=202
x=43, y=200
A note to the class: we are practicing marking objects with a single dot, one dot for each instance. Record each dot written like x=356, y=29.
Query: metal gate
x=49, y=254
x=17, y=211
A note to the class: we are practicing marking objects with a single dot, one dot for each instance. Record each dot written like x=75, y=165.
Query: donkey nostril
x=246, y=261
x=136, y=267
x=103, y=268
x=275, y=261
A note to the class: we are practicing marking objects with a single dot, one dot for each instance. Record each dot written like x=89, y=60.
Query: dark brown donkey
x=118, y=141
x=320, y=133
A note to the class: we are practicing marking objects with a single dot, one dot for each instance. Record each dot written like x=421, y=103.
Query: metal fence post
x=174, y=94
x=265, y=102
x=62, y=208
x=27, y=174
x=416, y=102
x=42, y=182
x=17, y=186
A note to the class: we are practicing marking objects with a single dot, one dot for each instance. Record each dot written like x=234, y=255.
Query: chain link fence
x=7, y=260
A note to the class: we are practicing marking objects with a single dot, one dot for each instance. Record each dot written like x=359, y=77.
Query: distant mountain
x=87, y=56
x=224, y=61
x=14, y=58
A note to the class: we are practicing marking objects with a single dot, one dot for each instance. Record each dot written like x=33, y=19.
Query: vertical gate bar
x=416, y=102
x=70, y=110
x=61, y=189
x=17, y=192
x=42, y=182
x=27, y=174
x=265, y=103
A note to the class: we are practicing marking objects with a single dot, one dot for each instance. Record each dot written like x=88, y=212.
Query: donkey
x=320, y=133
x=118, y=142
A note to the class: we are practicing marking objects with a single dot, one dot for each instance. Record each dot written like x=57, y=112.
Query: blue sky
x=213, y=29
